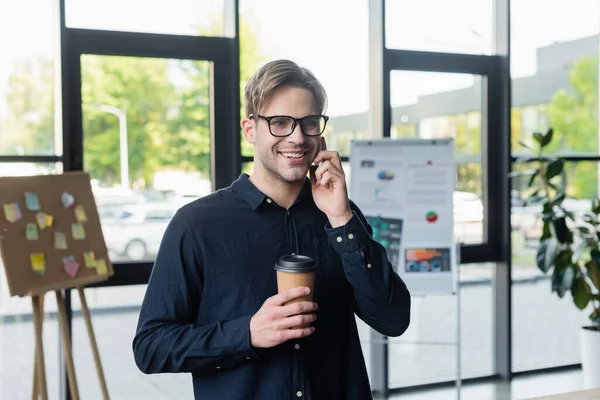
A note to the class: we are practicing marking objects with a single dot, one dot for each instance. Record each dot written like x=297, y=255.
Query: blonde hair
x=277, y=74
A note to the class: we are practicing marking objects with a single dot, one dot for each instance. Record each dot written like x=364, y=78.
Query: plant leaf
x=546, y=232
x=581, y=292
x=593, y=270
x=532, y=179
x=538, y=137
x=590, y=218
x=562, y=280
x=596, y=205
x=555, y=168
x=563, y=233
x=584, y=230
x=546, y=254
x=522, y=143
x=595, y=317
x=547, y=138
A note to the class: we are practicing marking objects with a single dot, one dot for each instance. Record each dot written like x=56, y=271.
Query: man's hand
x=329, y=187
x=276, y=323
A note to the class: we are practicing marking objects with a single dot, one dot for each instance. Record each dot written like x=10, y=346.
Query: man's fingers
x=301, y=307
x=297, y=333
x=282, y=298
x=297, y=320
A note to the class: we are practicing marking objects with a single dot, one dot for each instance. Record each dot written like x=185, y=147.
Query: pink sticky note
x=71, y=266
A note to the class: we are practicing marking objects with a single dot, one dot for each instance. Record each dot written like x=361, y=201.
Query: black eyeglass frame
x=294, y=124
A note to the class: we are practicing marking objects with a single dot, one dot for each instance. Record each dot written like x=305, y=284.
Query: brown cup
x=296, y=271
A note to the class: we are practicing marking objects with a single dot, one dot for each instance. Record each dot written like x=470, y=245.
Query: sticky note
x=31, y=232
x=80, y=214
x=67, y=199
x=12, y=212
x=44, y=220
x=89, y=259
x=77, y=231
x=38, y=264
x=32, y=201
x=101, y=267
x=70, y=266
x=60, y=241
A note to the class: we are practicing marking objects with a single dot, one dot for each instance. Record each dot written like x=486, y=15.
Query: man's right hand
x=276, y=323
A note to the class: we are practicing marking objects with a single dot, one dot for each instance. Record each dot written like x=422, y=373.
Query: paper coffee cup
x=296, y=271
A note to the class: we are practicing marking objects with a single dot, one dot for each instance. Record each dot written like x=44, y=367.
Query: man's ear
x=249, y=131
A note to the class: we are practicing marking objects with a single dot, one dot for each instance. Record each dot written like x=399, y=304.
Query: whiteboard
x=405, y=189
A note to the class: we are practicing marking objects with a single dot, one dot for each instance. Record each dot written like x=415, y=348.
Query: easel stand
x=39, y=382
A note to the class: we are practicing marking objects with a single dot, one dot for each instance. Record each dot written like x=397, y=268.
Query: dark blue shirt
x=214, y=270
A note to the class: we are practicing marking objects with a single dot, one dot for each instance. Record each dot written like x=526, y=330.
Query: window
x=177, y=17
x=536, y=311
x=17, y=342
x=458, y=26
x=555, y=85
x=555, y=74
x=146, y=145
x=337, y=41
x=29, y=103
x=435, y=105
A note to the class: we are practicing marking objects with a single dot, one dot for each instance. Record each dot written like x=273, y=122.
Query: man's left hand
x=329, y=186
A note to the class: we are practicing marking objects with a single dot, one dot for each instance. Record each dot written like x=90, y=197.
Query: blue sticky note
x=32, y=201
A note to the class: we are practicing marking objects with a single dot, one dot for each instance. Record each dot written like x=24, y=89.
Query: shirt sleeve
x=381, y=298
x=168, y=337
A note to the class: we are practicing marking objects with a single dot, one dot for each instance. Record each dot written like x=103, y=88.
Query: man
x=212, y=308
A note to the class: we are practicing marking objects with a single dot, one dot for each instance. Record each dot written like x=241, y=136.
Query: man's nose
x=297, y=136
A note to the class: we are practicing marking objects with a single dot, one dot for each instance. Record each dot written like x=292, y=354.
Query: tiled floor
x=520, y=388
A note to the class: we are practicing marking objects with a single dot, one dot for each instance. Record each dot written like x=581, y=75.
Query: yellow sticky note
x=44, y=220
x=80, y=214
x=101, y=267
x=12, y=212
x=37, y=262
x=89, y=259
x=77, y=231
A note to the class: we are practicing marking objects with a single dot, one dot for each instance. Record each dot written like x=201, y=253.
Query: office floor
x=524, y=387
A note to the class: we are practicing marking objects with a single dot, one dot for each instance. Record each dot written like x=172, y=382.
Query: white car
x=135, y=232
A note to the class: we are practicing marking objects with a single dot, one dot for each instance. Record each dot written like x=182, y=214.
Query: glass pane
x=176, y=17
x=266, y=35
x=426, y=353
x=112, y=307
x=17, y=342
x=458, y=26
x=554, y=67
x=542, y=320
x=146, y=145
x=436, y=105
x=28, y=78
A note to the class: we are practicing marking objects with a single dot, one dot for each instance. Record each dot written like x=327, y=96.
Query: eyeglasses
x=284, y=125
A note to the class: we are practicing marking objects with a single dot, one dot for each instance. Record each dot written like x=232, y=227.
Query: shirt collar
x=254, y=197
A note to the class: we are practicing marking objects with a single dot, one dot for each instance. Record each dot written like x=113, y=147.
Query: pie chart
x=431, y=216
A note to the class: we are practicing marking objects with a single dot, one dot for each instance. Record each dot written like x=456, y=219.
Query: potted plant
x=569, y=246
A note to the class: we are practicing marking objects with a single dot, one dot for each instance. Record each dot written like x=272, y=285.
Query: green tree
x=141, y=88
x=573, y=114
x=29, y=121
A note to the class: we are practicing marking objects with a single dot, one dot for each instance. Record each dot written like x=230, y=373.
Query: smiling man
x=212, y=309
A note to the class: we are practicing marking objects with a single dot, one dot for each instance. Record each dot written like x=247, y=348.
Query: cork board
x=41, y=241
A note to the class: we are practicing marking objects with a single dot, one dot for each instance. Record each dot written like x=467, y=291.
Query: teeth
x=292, y=155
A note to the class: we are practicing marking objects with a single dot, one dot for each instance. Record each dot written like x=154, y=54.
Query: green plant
x=569, y=245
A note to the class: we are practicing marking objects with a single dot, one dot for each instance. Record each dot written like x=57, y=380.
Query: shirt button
x=269, y=201
x=293, y=254
x=369, y=265
x=339, y=239
x=218, y=367
x=247, y=358
x=350, y=236
x=299, y=393
x=297, y=346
